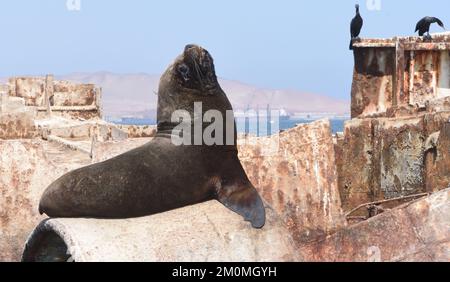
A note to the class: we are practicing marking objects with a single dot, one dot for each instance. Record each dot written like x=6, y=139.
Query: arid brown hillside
x=128, y=94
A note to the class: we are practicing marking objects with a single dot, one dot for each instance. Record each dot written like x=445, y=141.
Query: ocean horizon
x=337, y=125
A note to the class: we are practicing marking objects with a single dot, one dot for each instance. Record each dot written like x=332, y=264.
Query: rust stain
x=300, y=180
x=379, y=90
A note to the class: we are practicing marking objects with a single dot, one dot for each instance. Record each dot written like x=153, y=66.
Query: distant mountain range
x=134, y=95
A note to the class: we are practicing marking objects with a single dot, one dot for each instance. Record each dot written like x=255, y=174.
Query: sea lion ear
x=245, y=201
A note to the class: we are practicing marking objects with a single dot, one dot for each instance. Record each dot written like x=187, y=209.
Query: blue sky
x=287, y=44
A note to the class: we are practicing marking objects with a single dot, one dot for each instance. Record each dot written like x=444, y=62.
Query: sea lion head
x=194, y=70
x=190, y=79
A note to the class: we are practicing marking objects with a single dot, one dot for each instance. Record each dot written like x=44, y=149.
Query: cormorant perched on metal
x=355, y=26
x=423, y=26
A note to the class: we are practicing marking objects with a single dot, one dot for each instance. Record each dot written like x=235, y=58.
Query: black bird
x=423, y=26
x=355, y=26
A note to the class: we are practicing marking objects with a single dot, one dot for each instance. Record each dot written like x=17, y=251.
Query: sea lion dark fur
x=161, y=176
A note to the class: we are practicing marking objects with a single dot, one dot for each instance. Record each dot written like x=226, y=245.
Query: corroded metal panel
x=300, y=181
x=62, y=98
x=438, y=161
x=425, y=78
x=355, y=164
x=207, y=232
x=17, y=125
x=27, y=167
x=417, y=231
x=421, y=74
x=373, y=81
x=398, y=157
x=32, y=89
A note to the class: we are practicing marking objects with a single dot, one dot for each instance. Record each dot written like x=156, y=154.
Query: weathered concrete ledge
x=27, y=167
x=70, y=144
x=207, y=232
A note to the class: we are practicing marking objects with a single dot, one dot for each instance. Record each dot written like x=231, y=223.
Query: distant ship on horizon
x=251, y=113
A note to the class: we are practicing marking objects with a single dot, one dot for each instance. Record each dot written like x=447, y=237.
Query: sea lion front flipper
x=245, y=201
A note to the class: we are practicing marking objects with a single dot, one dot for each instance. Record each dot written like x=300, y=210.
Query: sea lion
x=161, y=176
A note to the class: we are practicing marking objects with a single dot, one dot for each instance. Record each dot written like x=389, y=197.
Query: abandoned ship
x=379, y=191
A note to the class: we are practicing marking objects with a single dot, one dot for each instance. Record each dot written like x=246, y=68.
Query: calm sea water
x=336, y=125
x=242, y=126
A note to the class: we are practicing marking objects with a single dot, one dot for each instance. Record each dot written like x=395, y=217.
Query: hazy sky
x=288, y=44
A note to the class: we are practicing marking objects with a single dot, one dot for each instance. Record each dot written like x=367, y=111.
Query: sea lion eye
x=183, y=69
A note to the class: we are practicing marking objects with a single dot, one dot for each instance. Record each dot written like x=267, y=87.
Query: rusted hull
x=384, y=158
x=27, y=167
x=60, y=98
x=299, y=180
x=402, y=76
x=418, y=231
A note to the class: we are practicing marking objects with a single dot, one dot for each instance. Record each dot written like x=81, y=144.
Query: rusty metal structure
x=24, y=101
x=329, y=199
x=60, y=98
x=205, y=232
x=402, y=76
x=396, y=144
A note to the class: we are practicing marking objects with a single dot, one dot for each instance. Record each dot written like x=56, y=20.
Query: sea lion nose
x=189, y=46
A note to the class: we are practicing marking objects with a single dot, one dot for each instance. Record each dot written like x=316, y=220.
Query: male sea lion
x=160, y=175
